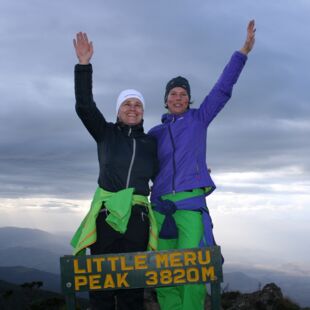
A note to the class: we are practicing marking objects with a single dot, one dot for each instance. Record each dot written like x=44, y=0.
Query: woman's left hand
x=250, y=39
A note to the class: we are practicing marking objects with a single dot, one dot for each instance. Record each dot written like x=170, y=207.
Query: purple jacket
x=182, y=139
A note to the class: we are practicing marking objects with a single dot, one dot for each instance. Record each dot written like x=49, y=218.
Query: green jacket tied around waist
x=119, y=205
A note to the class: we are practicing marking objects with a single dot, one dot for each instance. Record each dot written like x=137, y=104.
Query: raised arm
x=222, y=90
x=85, y=106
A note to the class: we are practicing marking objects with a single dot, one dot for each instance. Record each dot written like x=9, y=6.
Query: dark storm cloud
x=44, y=148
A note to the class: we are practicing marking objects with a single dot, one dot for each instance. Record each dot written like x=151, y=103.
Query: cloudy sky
x=258, y=147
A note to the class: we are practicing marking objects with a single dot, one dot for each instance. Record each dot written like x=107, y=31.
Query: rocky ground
x=270, y=297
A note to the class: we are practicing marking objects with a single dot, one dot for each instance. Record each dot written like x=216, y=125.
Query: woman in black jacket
x=127, y=161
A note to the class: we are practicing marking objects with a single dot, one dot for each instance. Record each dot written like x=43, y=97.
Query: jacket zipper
x=197, y=165
x=132, y=159
x=173, y=159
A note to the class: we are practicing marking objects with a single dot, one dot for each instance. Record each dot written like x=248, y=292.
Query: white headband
x=126, y=94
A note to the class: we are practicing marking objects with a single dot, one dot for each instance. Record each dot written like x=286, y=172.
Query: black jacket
x=127, y=156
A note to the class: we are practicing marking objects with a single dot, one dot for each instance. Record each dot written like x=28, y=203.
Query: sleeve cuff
x=83, y=68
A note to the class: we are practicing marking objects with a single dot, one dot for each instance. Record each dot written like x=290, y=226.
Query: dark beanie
x=178, y=81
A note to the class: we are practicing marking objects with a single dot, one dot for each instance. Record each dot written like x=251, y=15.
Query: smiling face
x=177, y=100
x=131, y=112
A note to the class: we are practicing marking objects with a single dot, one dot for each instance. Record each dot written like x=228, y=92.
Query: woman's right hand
x=83, y=48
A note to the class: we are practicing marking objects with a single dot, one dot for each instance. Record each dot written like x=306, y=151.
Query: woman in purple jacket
x=183, y=182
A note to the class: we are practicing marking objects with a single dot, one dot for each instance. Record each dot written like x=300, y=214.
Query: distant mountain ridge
x=295, y=287
x=32, y=248
x=21, y=274
x=33, y=238
x=31, y=257
x=239, y=281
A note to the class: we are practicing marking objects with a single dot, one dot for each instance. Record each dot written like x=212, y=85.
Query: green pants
x=190, y=232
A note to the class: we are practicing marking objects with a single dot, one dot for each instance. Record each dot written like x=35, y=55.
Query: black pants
x=110, y=241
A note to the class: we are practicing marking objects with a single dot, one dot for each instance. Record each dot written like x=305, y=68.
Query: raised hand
x=250, y=39
x=83, y=48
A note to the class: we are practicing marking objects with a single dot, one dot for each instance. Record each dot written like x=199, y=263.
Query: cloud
x=142, y=46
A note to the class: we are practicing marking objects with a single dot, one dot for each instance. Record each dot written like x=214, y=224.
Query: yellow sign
x=142, y=269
